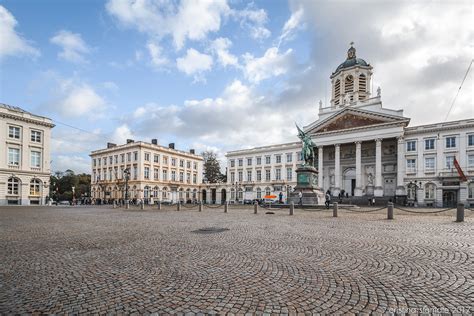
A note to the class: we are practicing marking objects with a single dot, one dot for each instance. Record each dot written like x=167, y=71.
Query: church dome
x=351, y=61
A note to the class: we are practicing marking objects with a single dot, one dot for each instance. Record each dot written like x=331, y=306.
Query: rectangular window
x=147, y=173
x=232, y=163
x=259, y=175
x=35, y=159
x=122, y=158
x=156, y=173
x=147, y=156
x=278, y=158
x=165, y=160
x=289, y=174
x=194, y=178
x=259, y=161
x=470, y=140
x=240, y=176
x=93, y=162
x=173, y=161
x=135, y=172
x=181, y=177
x=267, y=160
x=36, y=136
x=110, y=174
x=14, y=132
x=241, y=162
x=451, y=142
x=232, y=177
x=298, y=154
x=181, y=163
x=188, y=164
x=105, y=161
x=116, y=158
x=470, y=161
x=278, y=174
x=195, y=165
x=411, y=145
x=411, y=165
x=429, y=144
x=267, y=175
x=173, y=175
x=249, y=175
x=165, y=175
x=111, y=161
x=156, y=158
x=129, y=157
x=289, y=157
x=135, y=155
x=249, y=161
x=188, y=178
x=14, y=156
x=429, y=164
x=449, y=162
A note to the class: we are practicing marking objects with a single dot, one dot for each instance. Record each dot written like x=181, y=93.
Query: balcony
x=13, y=167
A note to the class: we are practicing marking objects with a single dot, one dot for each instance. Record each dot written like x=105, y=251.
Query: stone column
x=378, y=168
x=400, y=166
x=320, y=168
x=358, y=188
x=337, y=170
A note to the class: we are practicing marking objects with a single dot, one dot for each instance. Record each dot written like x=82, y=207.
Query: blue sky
x=219, y=74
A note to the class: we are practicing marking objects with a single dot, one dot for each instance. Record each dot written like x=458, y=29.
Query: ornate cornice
x=27, y=120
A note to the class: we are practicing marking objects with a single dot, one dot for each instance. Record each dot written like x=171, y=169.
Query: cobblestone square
x=97, y=260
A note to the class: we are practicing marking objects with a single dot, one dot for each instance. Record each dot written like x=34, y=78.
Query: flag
x=460, y=172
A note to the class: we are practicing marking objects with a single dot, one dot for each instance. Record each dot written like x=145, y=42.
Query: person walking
x=280, y=198
x=328, y=199
x=300, y=195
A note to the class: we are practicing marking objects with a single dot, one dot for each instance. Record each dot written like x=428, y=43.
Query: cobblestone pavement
x=104, y=260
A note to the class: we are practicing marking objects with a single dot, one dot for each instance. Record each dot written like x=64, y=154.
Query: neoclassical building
x=155, y=172
x=25, y=163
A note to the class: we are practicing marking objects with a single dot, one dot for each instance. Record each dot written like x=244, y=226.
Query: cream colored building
x=156, y=173
x=25, y=161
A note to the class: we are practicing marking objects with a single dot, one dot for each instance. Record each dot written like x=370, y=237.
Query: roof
x=351, y=61
x=13, y=108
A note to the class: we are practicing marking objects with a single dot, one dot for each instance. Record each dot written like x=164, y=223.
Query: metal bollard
x=127, y=205
x=255, y=208
x=178, y=206
x=142, y=205
x=334, y=209
x=159, y=205
x=390, y=210
x=114, y=205
x=200, y=206
x=460, y=213
x=226, y=205
x=292, y=207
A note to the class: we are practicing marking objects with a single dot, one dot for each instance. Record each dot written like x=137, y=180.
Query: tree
x=212, y=168
x=62, y=183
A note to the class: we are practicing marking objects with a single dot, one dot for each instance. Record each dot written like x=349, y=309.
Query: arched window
x=259, y=193
x=470, y=191
x=349, y=84
x=337, y=91
x=411, y=192
x=430, y=191
x=240, y=194
x=35, y=187
x=362, y=86
x=188, y=191
x=232, y=194
x=13, y=186
x=155, y=192
x=164, y=193
x=268, y=191
x=194, y=193
x=146, y=192
x=181, y=191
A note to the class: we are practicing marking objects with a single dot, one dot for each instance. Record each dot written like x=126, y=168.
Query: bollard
x=178, y=206
x=334, y=210
x=292, y=207
x=142, y=205
x=114, y=205
x=460, y=213
x=255, y=207
x=390, y=210
x=159, y=205
x=200, y=206
x=226, y=205
x=127, y=204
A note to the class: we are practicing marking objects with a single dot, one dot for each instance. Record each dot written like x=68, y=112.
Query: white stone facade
x=157, y=173
x=25, y=161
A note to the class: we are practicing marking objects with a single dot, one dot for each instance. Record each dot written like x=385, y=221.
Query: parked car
x=248, y=201
x=64, y=203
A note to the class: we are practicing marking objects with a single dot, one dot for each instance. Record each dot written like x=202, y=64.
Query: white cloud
x=295, y=22
x=220, y=47
x=157, y=58
x=191, y=20
x=194, y=63
x=121, y=134
x=78, y=164
x=73, y=46
x=254, y=20
x=12, y=43
x=271, y=64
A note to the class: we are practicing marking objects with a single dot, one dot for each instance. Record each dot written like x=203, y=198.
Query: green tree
x=212, y=168
x=63, y=182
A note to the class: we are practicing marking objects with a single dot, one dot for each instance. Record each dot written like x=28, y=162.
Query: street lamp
x=126, y=174
x=416, y=186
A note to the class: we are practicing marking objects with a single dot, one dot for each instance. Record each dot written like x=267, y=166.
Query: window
x=449, y=162
x=188, y=177
x=411, y=192
x=156, y=158
x=267, y=175
x=259, y=175
x=105, y=161
x=116, y=158
x=135, y=172
x=93, y=162
x=278, y=158
x=470, y=161
x=451, y=142
x=259, y=193
x=195, y=165
x=411, y=145
x=181, y=176
x=147, y=156
x=289, y=157
x=249, y=175
x=278, y=174
x=240, y=194
x=122, y=158
x=173, y=161
x=470, y=191
x=267, y=191
x=349, y=84
x=337, y=91
x=259, y=161
x=298, y=154
x=35, y=186
x=135, y=155
x=289, y=174
x=429, y=164
x=411, y=165
x=232, y=163
x=36, y=136
x=362, y=86
x=194, y=178
x=188, y=164
x=111, y=161
x=14, y=156
x=173, y=175
x=165, y=175
x=147, y=173
x=240, y=176
x=156, y=173
x=232, y=177
x=429, y=144
x=470, y=140
x=241, y=162
x=13, y=186
x=35, y=159
x=249, y=161
x=165, y=160
x=129, y=157
x=181, y=163
x=267, y=160
x=14, y=132
x=430, y=191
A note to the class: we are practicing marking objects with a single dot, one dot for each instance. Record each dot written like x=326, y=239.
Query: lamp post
x=416, y=186
x=126, y=174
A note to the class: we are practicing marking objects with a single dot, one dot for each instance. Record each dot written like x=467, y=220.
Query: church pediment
x=348, y=119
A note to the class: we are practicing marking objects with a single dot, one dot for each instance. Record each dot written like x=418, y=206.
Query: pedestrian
x=300, y=195
x=328, y=199
x=280, y=198
x=373, y=201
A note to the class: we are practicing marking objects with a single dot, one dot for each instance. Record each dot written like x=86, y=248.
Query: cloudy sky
x=221, y=74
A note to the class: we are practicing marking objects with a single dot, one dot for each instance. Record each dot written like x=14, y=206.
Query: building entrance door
x=213, y=196
x=450, y=198
x=349, y=181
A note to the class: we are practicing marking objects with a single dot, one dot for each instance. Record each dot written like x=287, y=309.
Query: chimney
x=154, y=141
x=130, y=141
x=192, y=151
x=110, y=145
x=171, y=145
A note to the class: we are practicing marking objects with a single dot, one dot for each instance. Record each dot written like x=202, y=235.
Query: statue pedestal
x=307, y=184
x=370, y=190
